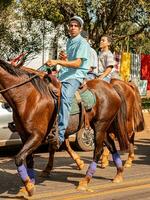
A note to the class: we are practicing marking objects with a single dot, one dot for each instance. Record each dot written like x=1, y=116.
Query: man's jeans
x=69, y=87
x=91, y=76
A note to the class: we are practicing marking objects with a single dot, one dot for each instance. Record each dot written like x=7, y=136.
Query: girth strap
x=82, y=109
x=82, y=114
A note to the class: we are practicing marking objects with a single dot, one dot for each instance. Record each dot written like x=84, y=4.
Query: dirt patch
x=147, y=121
x=146, y=133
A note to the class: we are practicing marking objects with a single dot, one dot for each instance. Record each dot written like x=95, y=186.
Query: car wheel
x=85, y=139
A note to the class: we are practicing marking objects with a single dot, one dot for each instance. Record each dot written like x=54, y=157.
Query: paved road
x=61, y=185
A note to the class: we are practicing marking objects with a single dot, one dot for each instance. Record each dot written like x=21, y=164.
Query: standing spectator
x=93, y=59
x=117, y=59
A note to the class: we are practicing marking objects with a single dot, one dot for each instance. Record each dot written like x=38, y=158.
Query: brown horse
x=135, y=119
x=34, y=112
x=135, y=122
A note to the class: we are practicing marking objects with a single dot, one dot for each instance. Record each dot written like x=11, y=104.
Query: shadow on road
x=62, y=167
x=142, y=149
x=10, y=182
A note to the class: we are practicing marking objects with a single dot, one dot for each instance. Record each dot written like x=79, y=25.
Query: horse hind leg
x=105, y=155
x=105, y=158
x=116, y=159
x=99, y=139
x=74, y=155
x=130, y=159
x=30, y=167
x=46, y=172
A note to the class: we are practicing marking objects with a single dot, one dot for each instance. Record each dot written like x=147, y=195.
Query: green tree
x=16, y=33
x=127, y=21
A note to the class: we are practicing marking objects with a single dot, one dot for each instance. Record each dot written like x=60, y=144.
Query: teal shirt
x=77, y=47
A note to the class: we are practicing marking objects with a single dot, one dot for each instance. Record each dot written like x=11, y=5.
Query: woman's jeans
x=69, y=87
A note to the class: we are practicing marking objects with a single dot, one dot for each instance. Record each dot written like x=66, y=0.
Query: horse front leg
x=29, y=146
x=30, y=167
x=99, y=139
x=74, y=155
x=130, y=159
x=46, y=172
x=30, y=171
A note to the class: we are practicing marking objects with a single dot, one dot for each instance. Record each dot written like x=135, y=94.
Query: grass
x=145, y=103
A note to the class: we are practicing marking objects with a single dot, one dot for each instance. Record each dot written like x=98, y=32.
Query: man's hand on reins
x=51, y=63
x=62, y=55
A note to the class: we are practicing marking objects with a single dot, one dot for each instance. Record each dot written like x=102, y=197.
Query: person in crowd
x=106, y=69
x=92, y=73
x=105, y=60
x=75, y=65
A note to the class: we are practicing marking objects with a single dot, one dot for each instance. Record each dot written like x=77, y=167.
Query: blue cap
x=78, y=19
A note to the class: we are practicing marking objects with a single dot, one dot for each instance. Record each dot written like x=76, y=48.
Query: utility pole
x=43, y=40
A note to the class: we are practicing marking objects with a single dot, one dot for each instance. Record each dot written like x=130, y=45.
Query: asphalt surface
x=61, y=184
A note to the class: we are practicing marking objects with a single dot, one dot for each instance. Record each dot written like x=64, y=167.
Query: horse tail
x=138, y=117
x=121, y=122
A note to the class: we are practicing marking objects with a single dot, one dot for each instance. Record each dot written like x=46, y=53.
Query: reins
x=19, y=84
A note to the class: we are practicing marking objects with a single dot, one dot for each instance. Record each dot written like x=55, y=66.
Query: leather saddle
x=55, y=89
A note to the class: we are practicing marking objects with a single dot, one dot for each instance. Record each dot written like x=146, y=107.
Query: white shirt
x=105, y=59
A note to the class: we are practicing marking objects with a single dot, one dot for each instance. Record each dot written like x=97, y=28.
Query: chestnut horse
x=35, y=110
x=135, y=123
x=135, y=119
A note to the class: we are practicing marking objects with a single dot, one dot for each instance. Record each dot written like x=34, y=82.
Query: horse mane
x=37, y=82
x=10, y=69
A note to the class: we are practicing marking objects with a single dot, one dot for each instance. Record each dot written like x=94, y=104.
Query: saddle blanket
x=88, y=99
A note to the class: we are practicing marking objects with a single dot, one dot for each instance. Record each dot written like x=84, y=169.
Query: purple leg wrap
x=31, y=174
x=22, y=172
x=91, y=170
x=117, y=160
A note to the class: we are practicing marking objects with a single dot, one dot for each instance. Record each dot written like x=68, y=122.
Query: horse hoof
x=81, y=188
x=128, y=164
x=44, y=174
x=104, y=162
x=82, y=185
x=31, y=192
x=104, y=165
x=30, y=187
x=118, y=179
x=23, y=191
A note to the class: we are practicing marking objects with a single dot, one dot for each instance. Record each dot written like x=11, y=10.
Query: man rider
x=75, y=65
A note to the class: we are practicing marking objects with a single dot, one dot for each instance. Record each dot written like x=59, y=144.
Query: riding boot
x=53, y=139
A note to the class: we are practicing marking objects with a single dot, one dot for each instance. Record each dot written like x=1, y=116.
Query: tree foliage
x=127, y=21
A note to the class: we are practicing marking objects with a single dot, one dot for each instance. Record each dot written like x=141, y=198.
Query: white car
x=9, y=137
